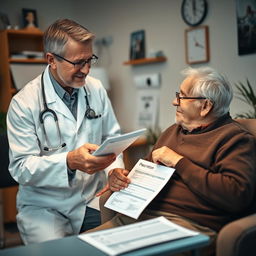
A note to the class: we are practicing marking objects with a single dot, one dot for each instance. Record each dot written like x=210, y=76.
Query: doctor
x=54, y=124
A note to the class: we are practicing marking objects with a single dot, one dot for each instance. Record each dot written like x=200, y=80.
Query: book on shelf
x=28, y=55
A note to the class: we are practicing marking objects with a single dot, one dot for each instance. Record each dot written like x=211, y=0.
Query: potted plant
x=152, y=135
x=246, y=94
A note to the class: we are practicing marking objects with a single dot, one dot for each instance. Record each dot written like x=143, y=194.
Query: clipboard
x=118, y=143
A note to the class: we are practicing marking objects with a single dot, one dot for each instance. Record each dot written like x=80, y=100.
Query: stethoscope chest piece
x=89, y=113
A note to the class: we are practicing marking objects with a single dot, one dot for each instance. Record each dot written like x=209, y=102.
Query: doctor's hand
x=117, y=180
x=166, y=156
x=82, y=159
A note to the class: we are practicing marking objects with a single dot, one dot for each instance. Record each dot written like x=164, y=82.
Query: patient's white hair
x=207, y=82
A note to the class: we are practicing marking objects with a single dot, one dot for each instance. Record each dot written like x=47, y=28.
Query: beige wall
x=164, y=28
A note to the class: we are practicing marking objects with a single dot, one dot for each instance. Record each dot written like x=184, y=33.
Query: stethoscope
x=89, y=113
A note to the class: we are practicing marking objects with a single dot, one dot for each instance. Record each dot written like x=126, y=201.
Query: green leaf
x=246, y=94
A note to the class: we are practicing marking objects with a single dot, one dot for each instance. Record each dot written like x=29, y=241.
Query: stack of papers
x=118, y=240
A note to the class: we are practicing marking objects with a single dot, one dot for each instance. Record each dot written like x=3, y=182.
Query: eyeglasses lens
x=90, y=61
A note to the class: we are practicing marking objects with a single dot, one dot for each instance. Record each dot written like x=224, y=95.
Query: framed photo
x=197, y=45
x=246, y=26
x=29, y=18
x=4, y=21
x=137, y=50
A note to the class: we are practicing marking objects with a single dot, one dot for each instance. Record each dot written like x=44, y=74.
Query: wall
x=164, y=31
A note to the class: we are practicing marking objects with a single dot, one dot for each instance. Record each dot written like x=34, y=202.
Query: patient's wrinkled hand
x=117, y=179
x=166, y=156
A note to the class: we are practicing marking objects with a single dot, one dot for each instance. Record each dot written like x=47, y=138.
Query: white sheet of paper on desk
x=115, y=241
x=118, y=143
x=147, y=180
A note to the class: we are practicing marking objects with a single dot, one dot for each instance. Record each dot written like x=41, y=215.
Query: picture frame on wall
x=197, y=45
x=246, y=26
x=137, y=46
x=29, y=18
x=4, y=21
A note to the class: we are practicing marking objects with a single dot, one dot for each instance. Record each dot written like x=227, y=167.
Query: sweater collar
x=211, y=126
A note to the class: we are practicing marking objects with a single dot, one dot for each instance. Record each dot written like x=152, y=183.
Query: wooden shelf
x=30, y=60
x=24, y=32
x=145, y=61
x=12, y=42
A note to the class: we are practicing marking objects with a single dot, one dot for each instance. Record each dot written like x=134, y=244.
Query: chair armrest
x=237, y=238
x=6, y=179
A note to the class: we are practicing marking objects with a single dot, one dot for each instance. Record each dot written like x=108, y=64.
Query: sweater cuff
x=183, y=165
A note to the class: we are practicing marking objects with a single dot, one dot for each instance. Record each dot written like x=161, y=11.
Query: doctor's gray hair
x=56, y=35
x=208, y=83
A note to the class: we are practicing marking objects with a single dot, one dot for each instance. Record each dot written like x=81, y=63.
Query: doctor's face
x=64, y=68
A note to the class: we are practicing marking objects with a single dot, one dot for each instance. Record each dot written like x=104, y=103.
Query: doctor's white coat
x=42, y=176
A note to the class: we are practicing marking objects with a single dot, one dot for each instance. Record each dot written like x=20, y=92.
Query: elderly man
x=214, y=158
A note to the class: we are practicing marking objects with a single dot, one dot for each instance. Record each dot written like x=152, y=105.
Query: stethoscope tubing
x=89, y=113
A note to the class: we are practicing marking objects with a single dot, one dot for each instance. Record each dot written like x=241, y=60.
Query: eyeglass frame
x=178, y=98
x=79, y=64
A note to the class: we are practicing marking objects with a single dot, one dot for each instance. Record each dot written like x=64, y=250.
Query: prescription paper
x=147, y=180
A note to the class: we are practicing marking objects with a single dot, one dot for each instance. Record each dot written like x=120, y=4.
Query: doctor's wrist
x=70, y=163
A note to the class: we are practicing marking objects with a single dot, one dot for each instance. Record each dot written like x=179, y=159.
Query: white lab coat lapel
x=81, y=107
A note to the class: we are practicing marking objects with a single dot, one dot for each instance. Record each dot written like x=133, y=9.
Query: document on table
x=122, y=239
x=118, y=143
x=147, y=180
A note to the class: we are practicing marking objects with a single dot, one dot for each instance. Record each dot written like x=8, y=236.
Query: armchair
x=238, y=238
x=6, y=180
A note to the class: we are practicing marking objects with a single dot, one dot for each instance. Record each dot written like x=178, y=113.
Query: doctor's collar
x=60, y=90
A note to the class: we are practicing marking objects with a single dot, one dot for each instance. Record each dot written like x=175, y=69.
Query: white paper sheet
x=119, y=143
x=122, y=239
x=147, y=179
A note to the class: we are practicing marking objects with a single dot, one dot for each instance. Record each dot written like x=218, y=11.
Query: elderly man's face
x=188, y=112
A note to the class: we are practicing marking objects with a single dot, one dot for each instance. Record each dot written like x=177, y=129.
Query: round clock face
x=194, y=11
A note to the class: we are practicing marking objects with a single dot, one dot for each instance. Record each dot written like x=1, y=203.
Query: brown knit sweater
x=215, y=182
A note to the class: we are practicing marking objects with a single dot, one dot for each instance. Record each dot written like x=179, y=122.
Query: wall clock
x=194, y=12
x=197, y=45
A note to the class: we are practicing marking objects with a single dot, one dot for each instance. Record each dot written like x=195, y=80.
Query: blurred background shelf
x=145, y=61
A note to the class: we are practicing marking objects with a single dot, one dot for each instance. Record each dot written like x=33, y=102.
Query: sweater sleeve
x=229, y=183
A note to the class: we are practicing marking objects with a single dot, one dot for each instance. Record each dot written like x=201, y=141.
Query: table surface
x=74, y=246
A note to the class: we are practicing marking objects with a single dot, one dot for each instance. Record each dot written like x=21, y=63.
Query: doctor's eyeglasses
x=79, y=64
x=178, y=98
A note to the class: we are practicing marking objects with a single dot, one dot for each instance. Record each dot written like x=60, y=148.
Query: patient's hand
x=166, y=156
x=117, y=180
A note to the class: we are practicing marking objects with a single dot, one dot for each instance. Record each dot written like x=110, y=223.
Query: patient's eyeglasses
x=178, y=98
x=79, y=64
